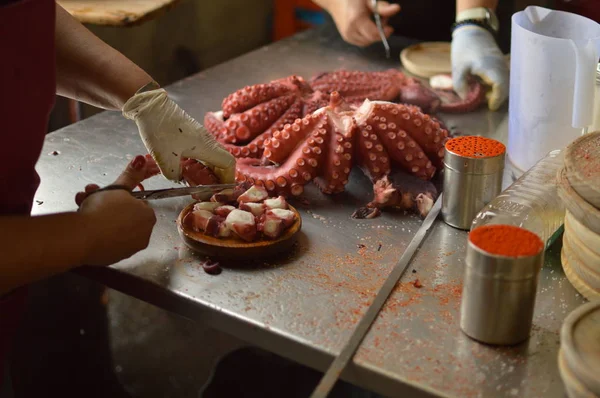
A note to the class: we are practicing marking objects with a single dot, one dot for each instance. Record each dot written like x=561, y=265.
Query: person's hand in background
x=353, y=19
x=475, y=52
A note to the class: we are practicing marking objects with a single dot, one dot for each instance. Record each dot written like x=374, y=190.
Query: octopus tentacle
x=452, y=103
x=372, y=157
x=250, y=96
x=336, y=169
x=245, y=126
x=283, y=142
x=254, y=149
x=356, y=86
x=427, y=133
x=213, y=122
x=298, y=170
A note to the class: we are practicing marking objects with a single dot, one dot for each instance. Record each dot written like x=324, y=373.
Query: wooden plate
x=579, y=285
x=582, y=165
x=427, y=59
x=583, y=211
x=233, y=247
x=430, y=58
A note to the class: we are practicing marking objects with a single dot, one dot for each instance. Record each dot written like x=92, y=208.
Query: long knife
x=339, y=363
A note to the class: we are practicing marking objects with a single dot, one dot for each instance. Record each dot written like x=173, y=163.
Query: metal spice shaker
x=473, y=171
x=499, y=292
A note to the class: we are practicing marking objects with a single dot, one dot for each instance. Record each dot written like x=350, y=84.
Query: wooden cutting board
x=430, y=58
x=116, y=12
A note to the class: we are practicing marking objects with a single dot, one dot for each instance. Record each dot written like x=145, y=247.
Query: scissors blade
x=380, y=29
x=201, y=191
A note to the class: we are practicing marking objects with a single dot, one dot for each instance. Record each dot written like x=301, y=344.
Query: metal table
x=305, y=306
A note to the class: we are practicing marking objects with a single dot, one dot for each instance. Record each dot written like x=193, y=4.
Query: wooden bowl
x=582, y=167
x=583, y=211
x=233, y=247
x=573, y=386
x=427, y=59
x=583, y=288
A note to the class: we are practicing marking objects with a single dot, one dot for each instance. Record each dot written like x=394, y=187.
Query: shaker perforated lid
x=474, y=154
x=580, y=345
x=582, y=167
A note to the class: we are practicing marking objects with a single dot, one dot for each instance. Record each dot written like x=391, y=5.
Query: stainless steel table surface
x=305, y=306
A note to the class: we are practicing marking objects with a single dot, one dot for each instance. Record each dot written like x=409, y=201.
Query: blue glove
x=475, y=52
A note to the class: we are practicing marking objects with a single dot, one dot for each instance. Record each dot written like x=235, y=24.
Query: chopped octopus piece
x=224, y=211
x=208, y=206
x=257, y=209
x=276, y=203
x=226, y=196
x=224, y=231
x=287, y=216
x=199, y=219
x=255, y=194
x=272, y=226
x=243, y=224
x=213, y=225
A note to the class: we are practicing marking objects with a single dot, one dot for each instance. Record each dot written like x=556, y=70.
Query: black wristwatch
x=480, y=16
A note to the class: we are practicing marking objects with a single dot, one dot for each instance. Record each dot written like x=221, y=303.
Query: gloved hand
x=474, y=51
x=169, y=134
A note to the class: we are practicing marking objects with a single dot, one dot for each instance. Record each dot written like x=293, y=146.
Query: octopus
x=323, y=146
x=250, y=116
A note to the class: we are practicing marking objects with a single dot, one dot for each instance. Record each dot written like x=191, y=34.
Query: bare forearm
x=462, y=5
x=325, y=4
x=91, y=71
x=34, y=248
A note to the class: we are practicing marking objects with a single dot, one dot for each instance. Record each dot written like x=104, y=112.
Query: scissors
x=202, y=192
x=380, y=28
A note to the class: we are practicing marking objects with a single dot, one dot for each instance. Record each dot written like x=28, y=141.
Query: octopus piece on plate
x=251, y=221
x=255, y=194
x=243, y=224
x=224, y=211
x=276, y=203
x=257, y=209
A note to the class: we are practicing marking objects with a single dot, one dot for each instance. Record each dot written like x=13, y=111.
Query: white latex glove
x=474, y=51
x=169, y=133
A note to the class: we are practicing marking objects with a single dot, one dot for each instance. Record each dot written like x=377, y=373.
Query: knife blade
x=201, y=191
